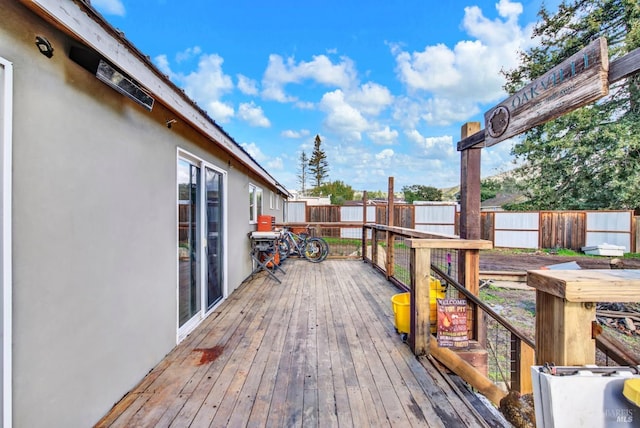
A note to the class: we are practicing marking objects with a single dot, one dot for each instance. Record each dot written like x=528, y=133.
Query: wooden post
x=364, y=221
x=390, y=236
x=420, y=266
x=522, y=358
x=374, y=247
x=563, y=331
x=469, y=261
x=565, y=309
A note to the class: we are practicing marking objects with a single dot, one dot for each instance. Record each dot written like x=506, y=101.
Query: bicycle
x=303, y=245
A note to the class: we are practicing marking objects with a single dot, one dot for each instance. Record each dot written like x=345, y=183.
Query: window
x=255, y=203
x=272, y=198
x=277, y=202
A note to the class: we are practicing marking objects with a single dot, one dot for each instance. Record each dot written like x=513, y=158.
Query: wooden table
x=566, y=306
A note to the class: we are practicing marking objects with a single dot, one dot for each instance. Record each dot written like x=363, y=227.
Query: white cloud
x=275, y=164
x=208, y=82
x=370, y=98
x=320, y=69
x=246, y=85
x=188, y=53
x=385, y=154
x=461, y=78
x=432, y=69
x=254, y=151
x=341, y=117
x=440, y=147
x=253, y=115
x=290, y=133
x=162, y=62
x=219, y=111
x=305, y=105
x=384, y=136
x=109, y=7
x=206, y=86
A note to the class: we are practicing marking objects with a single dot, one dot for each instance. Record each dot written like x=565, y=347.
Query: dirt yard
x=518, y=304
x=508, y=260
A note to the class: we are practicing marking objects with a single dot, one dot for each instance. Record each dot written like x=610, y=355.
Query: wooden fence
x=534, y=229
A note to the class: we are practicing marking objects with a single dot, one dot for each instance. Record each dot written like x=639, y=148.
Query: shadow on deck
x=320, y=349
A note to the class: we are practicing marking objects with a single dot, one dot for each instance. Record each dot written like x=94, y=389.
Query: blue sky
x=386, y=84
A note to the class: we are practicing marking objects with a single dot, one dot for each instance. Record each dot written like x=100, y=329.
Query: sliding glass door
x=214, y=236
x=188, y=245
x=200, y=241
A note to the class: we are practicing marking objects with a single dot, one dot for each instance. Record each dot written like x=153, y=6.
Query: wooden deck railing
x=510, y=352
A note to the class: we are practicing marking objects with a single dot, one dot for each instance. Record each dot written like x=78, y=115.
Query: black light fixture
x=44, y=46
x=123, y=84
x=109, y=74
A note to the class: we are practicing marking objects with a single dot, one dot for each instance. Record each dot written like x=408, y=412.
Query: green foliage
x=318, y=164
x=376, y=194
x=339, y=192
x=489, y=189
x=418, y=192
x=589, y=158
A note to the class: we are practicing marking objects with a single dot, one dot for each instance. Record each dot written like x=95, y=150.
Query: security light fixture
x=44, y=46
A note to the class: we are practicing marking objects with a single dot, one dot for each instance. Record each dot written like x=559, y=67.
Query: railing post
x=420, y=267
x=390, y=236
x=374, y=246
x=364, y=222
x=522, y=358
x=472, y=283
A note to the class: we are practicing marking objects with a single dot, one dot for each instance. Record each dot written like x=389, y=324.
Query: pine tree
x=589, y=158
x=318, y=165
x=302, y=177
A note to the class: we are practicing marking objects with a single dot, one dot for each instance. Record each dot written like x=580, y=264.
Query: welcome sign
x=452, y=323
x=576, y=82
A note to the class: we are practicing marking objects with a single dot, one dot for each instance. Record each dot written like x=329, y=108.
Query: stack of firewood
x=621, y=316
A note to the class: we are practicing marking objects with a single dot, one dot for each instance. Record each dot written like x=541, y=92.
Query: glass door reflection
x=214, y=236
x=189, y=300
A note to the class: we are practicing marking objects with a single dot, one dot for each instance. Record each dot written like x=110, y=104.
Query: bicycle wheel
x=325, y=248
x=284, y=248
x=313, y=250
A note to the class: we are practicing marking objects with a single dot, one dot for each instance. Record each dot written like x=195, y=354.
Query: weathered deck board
x=319, y=349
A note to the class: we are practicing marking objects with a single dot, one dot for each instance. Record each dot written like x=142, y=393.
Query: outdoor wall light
x=44, y=46
x=170, y=123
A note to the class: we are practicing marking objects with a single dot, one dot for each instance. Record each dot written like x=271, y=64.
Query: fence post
x=364, y=221
x=390, y=236
x=420, y=268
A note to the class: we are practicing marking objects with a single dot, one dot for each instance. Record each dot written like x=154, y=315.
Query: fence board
x=562, y=229
x=554, y=229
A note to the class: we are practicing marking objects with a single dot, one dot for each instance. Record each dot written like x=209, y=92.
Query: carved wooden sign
x=578, y=81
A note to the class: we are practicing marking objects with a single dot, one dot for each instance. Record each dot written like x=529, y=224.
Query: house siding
x=94, y=231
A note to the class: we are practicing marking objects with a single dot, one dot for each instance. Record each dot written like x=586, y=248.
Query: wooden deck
x=318, y=350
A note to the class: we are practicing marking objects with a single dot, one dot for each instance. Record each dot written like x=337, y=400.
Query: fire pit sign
x=452, y=323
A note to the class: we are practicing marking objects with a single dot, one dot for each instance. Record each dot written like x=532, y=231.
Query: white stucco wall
x=94, y=233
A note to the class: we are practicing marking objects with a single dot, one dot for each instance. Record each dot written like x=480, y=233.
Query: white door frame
x=190, y=325
x=6, y=120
